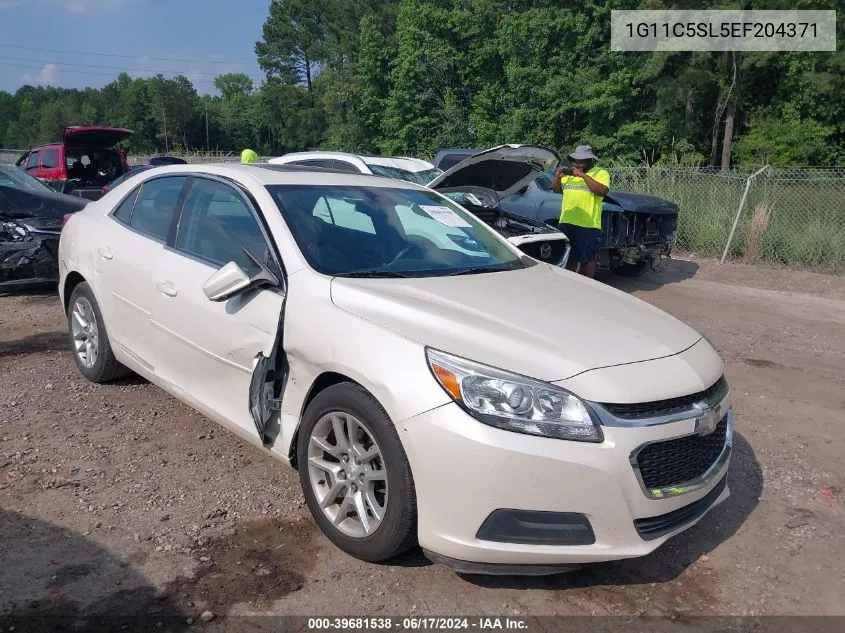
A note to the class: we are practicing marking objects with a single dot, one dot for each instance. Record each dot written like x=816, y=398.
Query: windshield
x=11, y=176
x=418, y=177
x=389, y=232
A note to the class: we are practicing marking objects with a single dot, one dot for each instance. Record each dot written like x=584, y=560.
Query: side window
x=50, y=158
x=124, y=211
x=32, y=162
x=155, y=206
x=344, y=214
x=217, y=225
x=344, y=166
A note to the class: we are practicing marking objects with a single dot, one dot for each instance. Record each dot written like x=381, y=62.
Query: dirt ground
x=118, y=500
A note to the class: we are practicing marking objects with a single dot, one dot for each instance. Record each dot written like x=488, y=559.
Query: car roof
x=401, y=162
x=275, y=174
x=316, y=155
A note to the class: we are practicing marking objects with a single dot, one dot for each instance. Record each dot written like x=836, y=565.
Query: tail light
x=65, y=218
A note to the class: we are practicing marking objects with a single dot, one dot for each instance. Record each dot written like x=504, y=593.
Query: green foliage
x=412, y=76
x=783, y=138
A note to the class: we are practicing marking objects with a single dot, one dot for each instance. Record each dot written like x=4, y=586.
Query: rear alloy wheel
x=91, y=346
x=355, y=475
x=83, y=327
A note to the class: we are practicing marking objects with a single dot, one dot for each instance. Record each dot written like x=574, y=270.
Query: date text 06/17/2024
x=485, y=623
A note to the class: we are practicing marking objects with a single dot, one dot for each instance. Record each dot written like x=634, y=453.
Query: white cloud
x=47, y=76
x=9, y=4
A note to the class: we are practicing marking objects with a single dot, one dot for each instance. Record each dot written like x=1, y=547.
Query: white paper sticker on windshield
x=445, y=216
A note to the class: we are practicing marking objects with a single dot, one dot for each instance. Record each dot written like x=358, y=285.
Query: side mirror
x=226, y=282
x=231, y=280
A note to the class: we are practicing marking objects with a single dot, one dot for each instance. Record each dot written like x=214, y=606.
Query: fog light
x=533, y=527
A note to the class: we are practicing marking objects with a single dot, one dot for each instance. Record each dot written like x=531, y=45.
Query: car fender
x=320, y=337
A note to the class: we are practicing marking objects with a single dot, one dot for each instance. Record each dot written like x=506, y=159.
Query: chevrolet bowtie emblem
x=706, y=418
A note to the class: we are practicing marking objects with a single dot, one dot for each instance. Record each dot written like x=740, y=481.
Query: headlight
x=14, y=232
x=513, y=402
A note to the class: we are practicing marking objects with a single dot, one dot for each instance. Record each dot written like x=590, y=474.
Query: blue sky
x=197, y=38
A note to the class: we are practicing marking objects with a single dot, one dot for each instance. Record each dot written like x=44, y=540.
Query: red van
x=85, y=160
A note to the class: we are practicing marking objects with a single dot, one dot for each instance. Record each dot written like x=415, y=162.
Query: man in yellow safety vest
x=248, y=157
x=584, y=187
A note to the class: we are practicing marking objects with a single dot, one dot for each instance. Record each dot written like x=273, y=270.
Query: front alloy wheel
x=355, y=474
x=347, y=474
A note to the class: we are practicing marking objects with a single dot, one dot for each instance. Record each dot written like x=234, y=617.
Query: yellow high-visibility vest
x=580, y=206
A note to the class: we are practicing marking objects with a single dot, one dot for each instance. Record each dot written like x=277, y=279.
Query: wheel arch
x=321, y=383
x=72, y=280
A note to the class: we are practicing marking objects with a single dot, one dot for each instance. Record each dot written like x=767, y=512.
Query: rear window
x=154, y=209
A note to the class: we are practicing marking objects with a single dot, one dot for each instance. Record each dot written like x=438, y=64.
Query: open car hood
x=502, y=170
x=95, y=136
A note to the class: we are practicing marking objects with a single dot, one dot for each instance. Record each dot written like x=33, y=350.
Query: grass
x=791, y=218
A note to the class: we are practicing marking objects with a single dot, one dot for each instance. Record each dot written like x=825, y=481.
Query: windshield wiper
x=374, y=274
x=479, y=270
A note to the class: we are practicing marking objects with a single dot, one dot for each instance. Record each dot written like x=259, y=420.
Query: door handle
x=105, y=253
x=167, y=288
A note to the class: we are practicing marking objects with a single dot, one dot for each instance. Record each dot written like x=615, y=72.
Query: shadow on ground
x=53, y=579
x=667, y=563
x=33, y=293
x=35, y=343
x=672, y=272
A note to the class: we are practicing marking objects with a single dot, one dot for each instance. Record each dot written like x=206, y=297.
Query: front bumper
x=464, y=470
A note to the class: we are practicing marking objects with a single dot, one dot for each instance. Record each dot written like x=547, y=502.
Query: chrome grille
x=677, y=461
x=669, y=406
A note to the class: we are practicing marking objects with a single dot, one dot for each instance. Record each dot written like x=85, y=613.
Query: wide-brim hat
x=583, y=152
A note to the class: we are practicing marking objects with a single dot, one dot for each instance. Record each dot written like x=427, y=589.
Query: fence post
x=739, y=210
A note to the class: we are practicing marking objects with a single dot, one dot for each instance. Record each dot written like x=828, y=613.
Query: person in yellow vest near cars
x=248, y=156
x=584, y=187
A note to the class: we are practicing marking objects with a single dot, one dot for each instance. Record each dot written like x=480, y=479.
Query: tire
x=624, y=269
x=105, y=366
x=397, y=530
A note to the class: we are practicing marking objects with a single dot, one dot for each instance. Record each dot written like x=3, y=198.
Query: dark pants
x=584, y=242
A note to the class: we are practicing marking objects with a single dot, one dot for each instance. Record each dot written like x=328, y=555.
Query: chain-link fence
x=791, y=216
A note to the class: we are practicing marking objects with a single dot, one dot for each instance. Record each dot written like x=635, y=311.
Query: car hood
x=95, y=136
x=540, y=321
x=16, y=203
x=502, y=169
x=641, y=202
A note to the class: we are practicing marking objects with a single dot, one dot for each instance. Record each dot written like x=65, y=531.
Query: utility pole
x=166, y=145
x=207, y=148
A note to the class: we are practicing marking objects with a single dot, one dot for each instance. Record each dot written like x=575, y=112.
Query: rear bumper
x=464, y=470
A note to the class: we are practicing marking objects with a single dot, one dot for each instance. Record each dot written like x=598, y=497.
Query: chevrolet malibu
x=505, y=414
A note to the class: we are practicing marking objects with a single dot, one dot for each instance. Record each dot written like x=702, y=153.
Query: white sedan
x=505, y=414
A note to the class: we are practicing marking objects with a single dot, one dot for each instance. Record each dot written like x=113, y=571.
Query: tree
x=293, y=42
x=234, y=85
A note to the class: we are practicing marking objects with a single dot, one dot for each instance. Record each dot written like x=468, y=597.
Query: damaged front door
x=267, y=385
x=222, y=354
